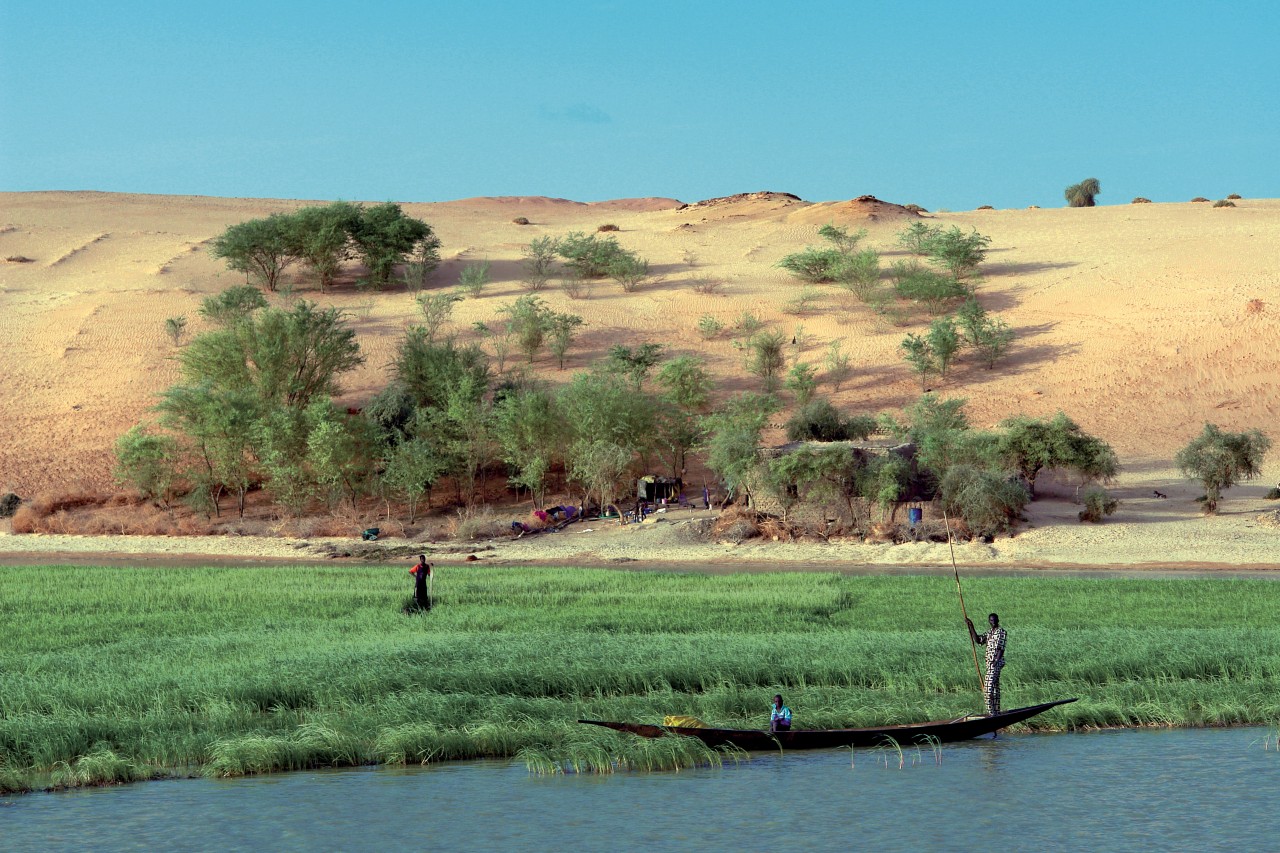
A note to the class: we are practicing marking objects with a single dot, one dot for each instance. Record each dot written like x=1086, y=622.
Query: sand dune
x=1140, y=321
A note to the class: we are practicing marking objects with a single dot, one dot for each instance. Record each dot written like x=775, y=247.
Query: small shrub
x=815, y=266
x=748, y=324
x=706, y=285
x=539, y=263
x=1083, y=193
x=608, y=226
x=1199, y=199
x=473, y=279
x=20, y=259
x=1255, y=306
x=709, y=327
x=575, y=285
x=1235, y=196
x=588, y=255
x=175, y=328
x=1222, y=202
x=1273, y=494
x=802, y=381
x=630, y=271
x=1141, y=200
x=483, y=524
x=988, y=503
x=819, y=420
x=520, y=220
x=917, y=238
x=803, y=302
x=1097, y=504
x=984, y=207
x=690, y=258
x=9, y=504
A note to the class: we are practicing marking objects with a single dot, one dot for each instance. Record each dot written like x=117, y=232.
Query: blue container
x=915, y=515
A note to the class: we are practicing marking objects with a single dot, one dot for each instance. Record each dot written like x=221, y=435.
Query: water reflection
x=1117, y=790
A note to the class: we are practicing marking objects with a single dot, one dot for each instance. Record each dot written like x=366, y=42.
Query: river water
x=1196, y=789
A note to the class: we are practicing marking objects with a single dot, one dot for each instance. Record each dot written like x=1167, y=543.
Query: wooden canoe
x=936, y=731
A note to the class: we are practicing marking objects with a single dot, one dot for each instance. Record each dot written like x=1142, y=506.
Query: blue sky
x=947, y=105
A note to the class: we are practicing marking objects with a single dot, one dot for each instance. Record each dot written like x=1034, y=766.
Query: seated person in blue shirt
x=780, y=718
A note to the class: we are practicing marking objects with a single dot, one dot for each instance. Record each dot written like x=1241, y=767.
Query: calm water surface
x=1117, y=790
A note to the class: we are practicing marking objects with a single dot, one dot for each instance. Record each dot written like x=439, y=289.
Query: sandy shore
x=1146, y=532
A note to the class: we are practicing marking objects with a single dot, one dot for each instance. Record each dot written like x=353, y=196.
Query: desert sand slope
x=1140, y=321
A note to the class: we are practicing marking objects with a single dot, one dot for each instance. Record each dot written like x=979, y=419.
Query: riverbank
x=1146, y=532
x=110, y=674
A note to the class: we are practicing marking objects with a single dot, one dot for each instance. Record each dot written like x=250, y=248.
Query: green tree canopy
x=1030, y=445
x=1220, y=460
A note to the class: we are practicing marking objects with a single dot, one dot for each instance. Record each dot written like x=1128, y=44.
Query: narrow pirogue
x=936, y=731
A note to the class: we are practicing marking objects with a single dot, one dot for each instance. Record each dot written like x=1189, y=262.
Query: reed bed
x=115, y=674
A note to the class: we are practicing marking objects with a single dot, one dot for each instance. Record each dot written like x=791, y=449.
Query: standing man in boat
x=779, y=716
x=994, y=640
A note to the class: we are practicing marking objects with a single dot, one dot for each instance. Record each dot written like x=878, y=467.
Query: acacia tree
x=686, y=393
x=1030, y=445
x=1220, y=460
x=321, y=237
x=529, y=429
x=733, y=439
x=260, y=248
x=411, y=468
x=385, y=237
x=146, y=461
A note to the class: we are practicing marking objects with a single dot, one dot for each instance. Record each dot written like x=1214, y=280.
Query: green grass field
x=114, y=674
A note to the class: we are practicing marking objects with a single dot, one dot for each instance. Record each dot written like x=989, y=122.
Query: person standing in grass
x=994, y=640
x=779, y=716
x=421, y=573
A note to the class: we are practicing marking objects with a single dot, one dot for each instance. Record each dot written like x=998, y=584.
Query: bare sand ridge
x=1140, y=321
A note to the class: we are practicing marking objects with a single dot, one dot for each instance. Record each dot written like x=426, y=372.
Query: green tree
x=589, y=256
x=563, y=329
x=286, y=357
x=436, y=310
x=340, y=450
x=920, y=357
x=989, y=336
x=934, y=290
x=733, y=439
x=429, y=370
x=944, y=343
x=957, y=252
x=473, y=278
x=532, y=434
x=629, y=271
x=148, y=462
x=917, y=238
x=321, y=238
x=538, y=264
x=530, y=319
x=219, y=425
x=411, y=468
x=766, y=358
x=598, y=465
x=686, y=394
x=1031, y=445
x=840, y=237
x=232, y=305
x=802, y=381
x=819, y=420
x=939, y=429
x=1083, y=193
x=1220, y=460
x=635, y=363
x=989, y=502
x=837, y=365
x=260, y=248
x=385, y=237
